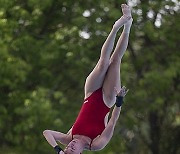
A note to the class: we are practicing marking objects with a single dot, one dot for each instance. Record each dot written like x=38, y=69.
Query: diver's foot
x=126, y=10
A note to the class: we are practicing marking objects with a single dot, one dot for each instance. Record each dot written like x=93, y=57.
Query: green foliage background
x=48, y=48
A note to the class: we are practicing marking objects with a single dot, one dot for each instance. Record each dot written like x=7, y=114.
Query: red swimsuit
x=90, y=121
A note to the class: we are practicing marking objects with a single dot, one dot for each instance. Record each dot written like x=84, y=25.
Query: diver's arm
x=101, y=141
x=53, y=136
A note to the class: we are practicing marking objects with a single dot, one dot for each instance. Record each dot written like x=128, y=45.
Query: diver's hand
x=123, y=91
x=120, y=95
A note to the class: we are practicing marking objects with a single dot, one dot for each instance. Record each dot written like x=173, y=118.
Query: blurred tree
x=49, y=47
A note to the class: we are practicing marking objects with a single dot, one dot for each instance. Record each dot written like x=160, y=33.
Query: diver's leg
x=112, y=78
x=96, y=77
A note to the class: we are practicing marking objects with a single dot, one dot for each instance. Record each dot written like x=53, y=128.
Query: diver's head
x=76, y=146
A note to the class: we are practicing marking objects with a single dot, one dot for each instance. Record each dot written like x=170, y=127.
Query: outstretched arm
x=100, y=142
x=53, y=136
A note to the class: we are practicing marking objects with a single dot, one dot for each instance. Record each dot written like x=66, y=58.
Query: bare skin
x=106, y=74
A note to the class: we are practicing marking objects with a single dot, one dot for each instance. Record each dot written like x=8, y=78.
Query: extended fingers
x=124, y=91
x=123, y=88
